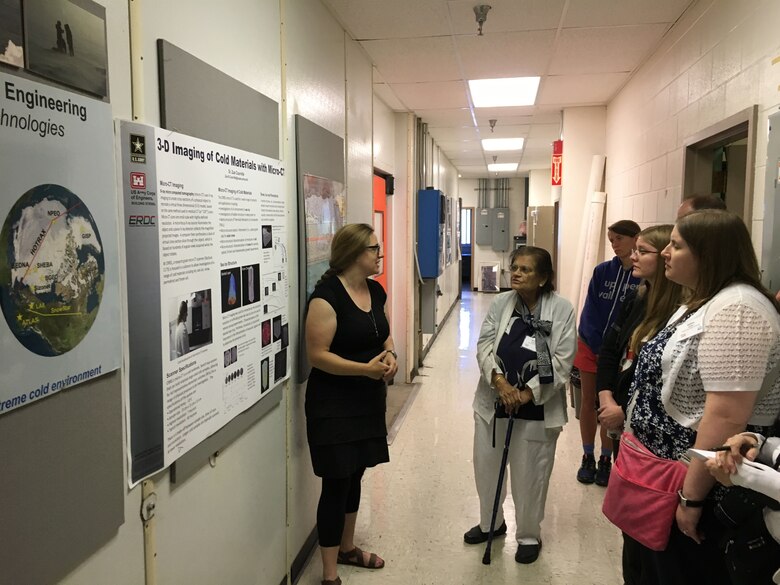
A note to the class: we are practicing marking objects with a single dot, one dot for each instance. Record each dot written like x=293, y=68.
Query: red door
x=380, y=228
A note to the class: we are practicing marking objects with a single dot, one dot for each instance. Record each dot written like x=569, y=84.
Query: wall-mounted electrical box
x=500, y=229
x=430, y=232
x=483, y=223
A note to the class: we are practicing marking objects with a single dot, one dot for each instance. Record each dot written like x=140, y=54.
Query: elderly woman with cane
x=525, y=353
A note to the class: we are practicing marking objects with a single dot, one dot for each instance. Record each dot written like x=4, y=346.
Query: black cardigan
x=608, y=374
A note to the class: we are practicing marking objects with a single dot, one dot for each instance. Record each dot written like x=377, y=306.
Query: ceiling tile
x=460, y=146
x=513, y=131
x=572, y=90
x=547, y=132
x=496, y=55
x=604, y=50
x=399, y=19
x=454, y=117
x=432, y=96
x=600, y=13
x=408, y=60
x=386, y=95
x=506, y=15
x=444, y=134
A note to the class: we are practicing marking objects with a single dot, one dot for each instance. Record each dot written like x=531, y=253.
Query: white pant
x=530, y=461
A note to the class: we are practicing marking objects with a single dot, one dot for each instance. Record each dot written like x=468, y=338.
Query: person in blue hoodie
x=611, y=282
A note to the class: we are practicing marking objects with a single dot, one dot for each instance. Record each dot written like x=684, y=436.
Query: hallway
x=415, y=509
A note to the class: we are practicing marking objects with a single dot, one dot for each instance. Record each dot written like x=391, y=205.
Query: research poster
x=208, y=291
x=59, y=280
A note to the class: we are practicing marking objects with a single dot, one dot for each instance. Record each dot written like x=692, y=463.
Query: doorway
x=466, y=238
x=380, y=223
x=720, y=161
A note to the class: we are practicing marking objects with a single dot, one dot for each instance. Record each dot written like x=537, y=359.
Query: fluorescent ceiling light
x=502, y=167
x=509, y=91
x=492, y=144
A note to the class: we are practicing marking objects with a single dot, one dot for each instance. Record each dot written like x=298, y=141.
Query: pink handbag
x=641, y=496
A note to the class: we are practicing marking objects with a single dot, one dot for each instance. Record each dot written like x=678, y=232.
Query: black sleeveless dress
x=345, y=415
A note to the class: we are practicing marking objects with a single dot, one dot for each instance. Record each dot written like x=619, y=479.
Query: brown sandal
x=336, y=581
x=356, y=559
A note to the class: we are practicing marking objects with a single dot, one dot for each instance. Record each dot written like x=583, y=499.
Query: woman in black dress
x=353, y=357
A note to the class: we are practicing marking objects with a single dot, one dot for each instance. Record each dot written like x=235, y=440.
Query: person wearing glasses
x=353, y=357
x=704, y=377
x=525, y=352
x=611, y=283
x=641, y=317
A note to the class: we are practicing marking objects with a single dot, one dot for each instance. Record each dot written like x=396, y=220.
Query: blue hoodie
x=607, y=290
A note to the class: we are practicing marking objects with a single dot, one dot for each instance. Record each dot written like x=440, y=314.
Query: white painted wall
x=714, y=63
x=539, y=189
x=583, y=137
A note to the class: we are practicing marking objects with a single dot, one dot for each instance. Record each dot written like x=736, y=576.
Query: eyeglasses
x=642, y=251
x=376, y=248
x=523, y=269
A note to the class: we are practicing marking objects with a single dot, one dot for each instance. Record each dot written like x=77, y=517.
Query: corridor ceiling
x=424, y=51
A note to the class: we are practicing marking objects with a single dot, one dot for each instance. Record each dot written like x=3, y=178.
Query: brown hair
x=663, y=295
x=346, y=247
x=543, y=263
x=722, y=246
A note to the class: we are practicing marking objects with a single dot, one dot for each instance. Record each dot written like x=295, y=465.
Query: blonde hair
x=346, y=247
x=663, y=295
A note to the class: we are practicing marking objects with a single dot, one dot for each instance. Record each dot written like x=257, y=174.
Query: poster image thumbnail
x=11, y=48
x=280, y=365
x=277, y=328
x=266, y=332
x=264, y=376
x=231, y=288
x=189, y=323
x=52, y=270
x=267, y=236
x=250, y=284
x=66, y=42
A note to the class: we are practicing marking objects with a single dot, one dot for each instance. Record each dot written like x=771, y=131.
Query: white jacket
x=563, y=345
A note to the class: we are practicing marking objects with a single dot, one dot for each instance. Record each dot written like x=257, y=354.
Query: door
x=466, y=231
x=380, y=222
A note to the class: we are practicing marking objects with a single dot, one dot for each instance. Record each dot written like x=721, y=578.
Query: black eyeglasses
x=376, y=248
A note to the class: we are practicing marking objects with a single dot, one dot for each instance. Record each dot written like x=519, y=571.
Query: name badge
x=529, y=343
x=690, y=328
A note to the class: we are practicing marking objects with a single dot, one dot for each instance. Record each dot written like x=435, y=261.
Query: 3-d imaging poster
x=206, y=238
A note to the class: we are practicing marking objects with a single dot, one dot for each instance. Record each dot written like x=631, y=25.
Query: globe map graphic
x=51, y=270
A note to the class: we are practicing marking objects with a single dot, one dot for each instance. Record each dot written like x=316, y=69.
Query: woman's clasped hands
x=383, y=366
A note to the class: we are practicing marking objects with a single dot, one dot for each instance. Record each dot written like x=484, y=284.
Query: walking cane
x=501, y=472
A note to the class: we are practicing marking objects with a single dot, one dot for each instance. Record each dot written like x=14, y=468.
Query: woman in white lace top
x=703, y=378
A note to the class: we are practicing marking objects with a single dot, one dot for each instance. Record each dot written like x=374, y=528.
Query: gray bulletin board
x=61, y=481
x=202, y=101
x=320, y=153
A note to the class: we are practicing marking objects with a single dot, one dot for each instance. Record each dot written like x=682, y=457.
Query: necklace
x=373, y=321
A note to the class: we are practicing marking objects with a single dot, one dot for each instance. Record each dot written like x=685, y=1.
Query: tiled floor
x=416, y=508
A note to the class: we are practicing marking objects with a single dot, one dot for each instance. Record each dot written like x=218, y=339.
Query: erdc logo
x=138, y=148
x=147, y=220
x=138, y=180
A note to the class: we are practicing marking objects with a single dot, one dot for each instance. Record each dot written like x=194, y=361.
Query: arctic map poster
x=59, y=280
x=208, y=293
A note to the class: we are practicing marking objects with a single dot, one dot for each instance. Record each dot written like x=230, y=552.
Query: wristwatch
x=686, y=503
x=392, y=352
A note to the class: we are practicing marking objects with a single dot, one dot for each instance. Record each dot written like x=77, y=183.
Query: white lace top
x=729, y=344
